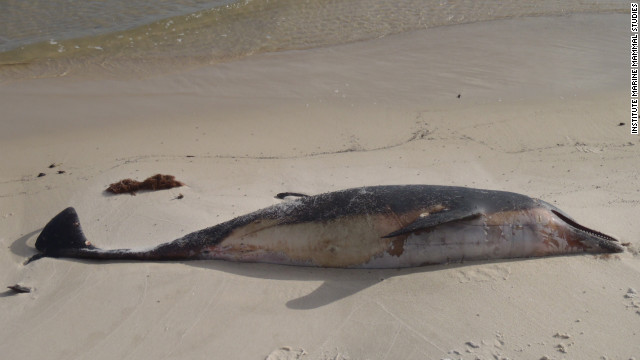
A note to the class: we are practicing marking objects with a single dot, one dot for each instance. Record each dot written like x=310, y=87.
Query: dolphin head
x=579, y=235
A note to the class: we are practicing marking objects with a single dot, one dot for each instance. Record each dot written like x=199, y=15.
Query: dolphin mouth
x=603, y=241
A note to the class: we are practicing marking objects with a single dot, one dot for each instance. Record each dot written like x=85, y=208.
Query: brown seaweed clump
x=155, y=182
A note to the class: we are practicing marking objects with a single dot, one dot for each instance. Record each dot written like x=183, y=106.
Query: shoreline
x=84, y=58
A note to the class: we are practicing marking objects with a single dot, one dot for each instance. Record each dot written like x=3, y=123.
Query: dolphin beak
x=591, y=238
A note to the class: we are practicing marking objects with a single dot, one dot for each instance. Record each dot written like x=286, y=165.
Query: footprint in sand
x=483, y=273
x=286, y=353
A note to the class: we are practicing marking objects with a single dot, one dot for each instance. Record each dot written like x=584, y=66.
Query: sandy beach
x=530, y=105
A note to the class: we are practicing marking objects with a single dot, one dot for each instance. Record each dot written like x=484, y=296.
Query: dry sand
x=538, y=113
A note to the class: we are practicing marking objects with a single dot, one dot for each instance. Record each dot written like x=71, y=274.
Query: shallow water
x=27, y=22
x=49, y=38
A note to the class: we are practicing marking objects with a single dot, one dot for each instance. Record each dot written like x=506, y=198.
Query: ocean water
x=55, y=37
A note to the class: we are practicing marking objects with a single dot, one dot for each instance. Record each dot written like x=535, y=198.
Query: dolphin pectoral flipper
x=432, y=220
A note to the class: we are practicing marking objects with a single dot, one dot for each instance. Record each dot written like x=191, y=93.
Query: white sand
x=541, y=99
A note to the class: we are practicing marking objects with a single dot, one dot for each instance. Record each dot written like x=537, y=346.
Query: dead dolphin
x=368, y=227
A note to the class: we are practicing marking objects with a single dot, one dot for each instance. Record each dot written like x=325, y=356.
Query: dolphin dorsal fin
x=435, y=219
x=286, y=194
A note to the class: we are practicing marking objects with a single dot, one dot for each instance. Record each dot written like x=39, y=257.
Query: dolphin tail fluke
x=62, y=236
